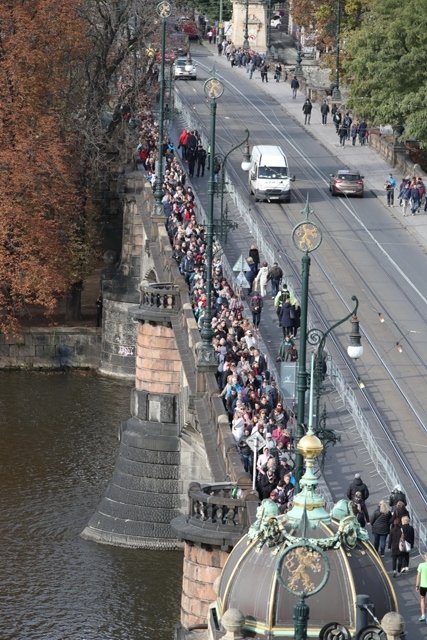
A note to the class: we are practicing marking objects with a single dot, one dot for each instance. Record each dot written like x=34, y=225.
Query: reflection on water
x=58, y=444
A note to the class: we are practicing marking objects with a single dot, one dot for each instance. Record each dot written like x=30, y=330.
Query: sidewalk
x=363, y=159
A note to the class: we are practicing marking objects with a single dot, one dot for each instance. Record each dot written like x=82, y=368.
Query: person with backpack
x=347, y=121
x=280, y=299
x=389, y=186
x=275, y=276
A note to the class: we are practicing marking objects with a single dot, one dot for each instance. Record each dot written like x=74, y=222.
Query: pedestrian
x=260, y=283
x=380, y=522
x=294, y=86
x=99, y=305
x=421, y=586
x=408, y=540
x=306, y=109
x=404, y=198
x=285, y=317
x=182, y=142
x=285, y=347
x=255, y=305
x=360, y=510
x=280, y=299
x=210, y=34
x=342, y=134
x=354, y=131
x=363, y=132
x=324, y=110
x=347, y=121
x=357, y=484
x=264, y=71
x=191, y=160
x=278, y=72
x=201, y=161
x=275, y=276
x=394, y=546
x=397, y=495
x=254, y=254
x=252, y=67
x=251, y=273
x=389, y=186
x=414, y=198
x=337, y=120
x=292, y=354
x=246, y=452
x=219, y=48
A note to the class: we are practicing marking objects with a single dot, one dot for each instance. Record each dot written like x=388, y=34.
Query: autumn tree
x=40, y=203
x=385, y=66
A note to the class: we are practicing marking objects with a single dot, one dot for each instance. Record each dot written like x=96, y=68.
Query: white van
x=269, y=174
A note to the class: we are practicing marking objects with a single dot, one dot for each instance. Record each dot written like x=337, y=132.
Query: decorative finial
x=307, y=210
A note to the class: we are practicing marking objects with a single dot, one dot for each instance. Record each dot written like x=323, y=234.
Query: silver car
x=346, y=182
x=184, y=69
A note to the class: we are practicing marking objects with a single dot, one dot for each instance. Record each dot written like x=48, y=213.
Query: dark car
x=349, y=183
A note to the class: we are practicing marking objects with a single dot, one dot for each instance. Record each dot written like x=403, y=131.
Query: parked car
x=184, y=69
x=349, y=183
x=276, y=22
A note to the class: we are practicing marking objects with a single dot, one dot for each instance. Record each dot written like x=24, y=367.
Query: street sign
x=256, y=441
x=242, y=282
x=241, y=265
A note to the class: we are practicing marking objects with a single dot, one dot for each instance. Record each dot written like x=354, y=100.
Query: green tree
x=210, y=8
x=384, y=66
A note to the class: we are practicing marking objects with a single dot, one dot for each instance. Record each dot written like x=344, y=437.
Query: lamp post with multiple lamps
x=224, y=224
x=213, y=89
x=298, y=65
x=268, y=30
x=163, y=10
x=336, y=93
x=307, y=237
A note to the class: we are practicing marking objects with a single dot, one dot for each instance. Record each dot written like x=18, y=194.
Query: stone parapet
x=51, y=348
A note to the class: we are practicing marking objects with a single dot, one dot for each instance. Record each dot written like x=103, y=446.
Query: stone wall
x=52, y=348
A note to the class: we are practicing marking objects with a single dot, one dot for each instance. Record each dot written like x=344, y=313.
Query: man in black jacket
x=357, y=485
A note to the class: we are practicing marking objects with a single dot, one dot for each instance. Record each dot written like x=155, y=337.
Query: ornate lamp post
x=163, y=9
x=298, y=66
x=246, y=34
x=317, y=338
x=221, y=22
x=245, y=165
x=336, y=93
x=268, y=33
x=307, y=238
x=213, y=89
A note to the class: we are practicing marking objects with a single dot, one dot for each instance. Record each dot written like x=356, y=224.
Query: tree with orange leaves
x=40, y=205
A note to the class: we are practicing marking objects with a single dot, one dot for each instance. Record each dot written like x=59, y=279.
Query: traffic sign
x=241, y=265
x=242, y=282
x=256, y=441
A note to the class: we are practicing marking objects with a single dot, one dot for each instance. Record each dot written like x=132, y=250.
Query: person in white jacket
x=260, y=282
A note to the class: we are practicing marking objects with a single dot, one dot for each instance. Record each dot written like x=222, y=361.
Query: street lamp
x=316, y=337
x=213, y=89
x=336, y=93
x=163, y=9
x=307, y=237
x=246, y=34
x=298, y=65
x=268, y=34
x=245, y=165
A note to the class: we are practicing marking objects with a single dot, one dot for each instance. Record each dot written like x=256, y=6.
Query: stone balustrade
x=158, y=302
x=214, y=516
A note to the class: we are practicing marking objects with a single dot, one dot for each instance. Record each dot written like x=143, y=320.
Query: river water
x=58, y=446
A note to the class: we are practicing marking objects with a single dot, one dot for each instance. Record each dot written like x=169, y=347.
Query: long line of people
x=250, y=394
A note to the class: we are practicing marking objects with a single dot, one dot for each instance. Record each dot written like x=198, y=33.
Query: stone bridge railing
x=215, y=516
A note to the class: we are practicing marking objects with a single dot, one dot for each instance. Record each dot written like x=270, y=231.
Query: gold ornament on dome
x=302, y=563
x=310, y=447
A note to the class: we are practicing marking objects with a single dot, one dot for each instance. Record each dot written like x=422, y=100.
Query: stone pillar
x=145, y=493
x=202, y=566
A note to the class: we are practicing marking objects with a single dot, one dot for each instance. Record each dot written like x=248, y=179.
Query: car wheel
x=333, y=192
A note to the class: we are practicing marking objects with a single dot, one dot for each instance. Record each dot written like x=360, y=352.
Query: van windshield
x=272, y=172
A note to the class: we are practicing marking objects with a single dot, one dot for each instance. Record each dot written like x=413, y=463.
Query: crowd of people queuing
x=250, y=394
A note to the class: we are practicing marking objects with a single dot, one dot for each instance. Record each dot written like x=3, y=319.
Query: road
x=367, y=250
